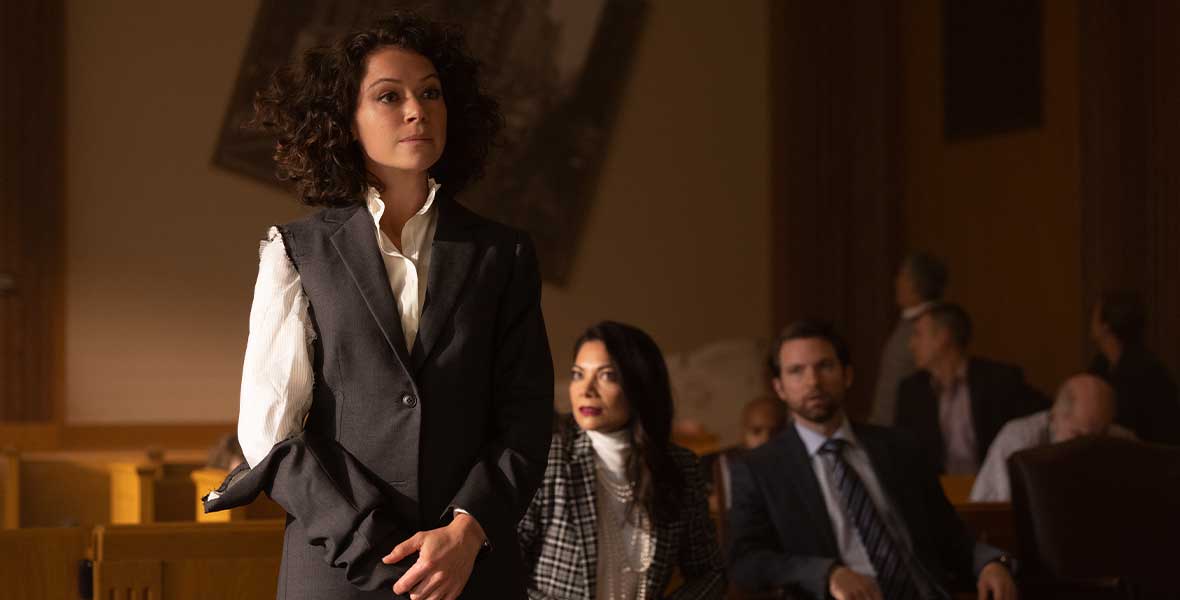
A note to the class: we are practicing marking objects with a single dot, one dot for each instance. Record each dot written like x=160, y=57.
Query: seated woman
x=620, y=506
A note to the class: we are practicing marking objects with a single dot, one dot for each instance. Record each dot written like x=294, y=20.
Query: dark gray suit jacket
x=781, y=534
x=397, y=437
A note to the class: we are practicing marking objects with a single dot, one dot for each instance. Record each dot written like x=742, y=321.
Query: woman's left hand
x=445, y=558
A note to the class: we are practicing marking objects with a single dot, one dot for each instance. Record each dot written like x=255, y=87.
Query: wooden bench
x=38, y=564
x=186, y=561
x=90, y=488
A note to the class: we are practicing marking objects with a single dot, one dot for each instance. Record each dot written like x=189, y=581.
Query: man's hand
x=846, y=584
x=445, y=558
x=995, y=580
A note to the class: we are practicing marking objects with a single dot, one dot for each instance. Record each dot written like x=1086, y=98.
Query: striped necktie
x=884, y=552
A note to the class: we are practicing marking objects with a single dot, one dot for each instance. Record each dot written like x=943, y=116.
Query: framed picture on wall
x=557, y=67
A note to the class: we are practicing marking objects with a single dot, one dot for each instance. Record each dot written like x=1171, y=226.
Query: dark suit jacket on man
x=398, y=437
x=998, y=395
x=782, y=535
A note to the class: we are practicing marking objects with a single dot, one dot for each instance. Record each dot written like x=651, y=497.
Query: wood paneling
x=1002, y=211
x=836, y=159
x=32, y=100
x=1130, y=79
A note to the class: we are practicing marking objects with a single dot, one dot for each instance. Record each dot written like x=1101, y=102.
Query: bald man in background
x=1085, y=405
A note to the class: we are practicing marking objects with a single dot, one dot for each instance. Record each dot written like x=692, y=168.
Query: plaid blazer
x=558, y=534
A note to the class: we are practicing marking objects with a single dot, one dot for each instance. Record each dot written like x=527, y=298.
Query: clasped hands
x=445, y=558
x=995, y=583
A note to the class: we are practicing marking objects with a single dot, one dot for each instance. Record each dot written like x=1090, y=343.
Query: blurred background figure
x=957, y=403
x=226, y=454
x=1145, y=391
x=920, y=280
x=762, y=419
x=1085, y=405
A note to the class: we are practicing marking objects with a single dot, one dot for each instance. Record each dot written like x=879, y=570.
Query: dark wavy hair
x=659, y=485
x=309, y=107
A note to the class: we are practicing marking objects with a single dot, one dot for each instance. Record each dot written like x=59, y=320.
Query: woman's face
x=401, y=118
x=596, y=397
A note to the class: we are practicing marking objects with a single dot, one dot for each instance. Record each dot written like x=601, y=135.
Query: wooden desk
x=957, y=488
x=991, y=522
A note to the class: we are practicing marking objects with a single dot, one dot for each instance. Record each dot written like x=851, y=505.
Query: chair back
x=1098, y=507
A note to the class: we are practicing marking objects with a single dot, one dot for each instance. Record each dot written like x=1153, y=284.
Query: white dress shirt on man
x=992, y=483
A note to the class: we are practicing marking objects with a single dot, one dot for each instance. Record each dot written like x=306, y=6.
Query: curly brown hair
x=309, y=107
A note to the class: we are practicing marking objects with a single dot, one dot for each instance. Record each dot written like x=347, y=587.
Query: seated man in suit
x=956, y=404
x=1146, y=393
x=847, y=510
x=1084, y=406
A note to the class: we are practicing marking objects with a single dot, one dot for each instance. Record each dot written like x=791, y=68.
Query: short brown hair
x=804, y=329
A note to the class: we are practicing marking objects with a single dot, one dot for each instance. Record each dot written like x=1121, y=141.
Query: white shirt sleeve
x=991, y=483
x=277, y=374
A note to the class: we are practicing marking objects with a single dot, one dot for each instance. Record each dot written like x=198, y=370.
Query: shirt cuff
x=486, y=544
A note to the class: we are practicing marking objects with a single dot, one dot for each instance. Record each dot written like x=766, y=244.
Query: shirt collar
x=812, y=440
x=914, y=312
x=376, y=205
x=960, y=378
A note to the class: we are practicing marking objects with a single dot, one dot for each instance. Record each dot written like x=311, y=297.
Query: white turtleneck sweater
x=611, y=452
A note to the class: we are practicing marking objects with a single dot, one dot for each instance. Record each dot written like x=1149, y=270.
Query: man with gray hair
x=1084, y=405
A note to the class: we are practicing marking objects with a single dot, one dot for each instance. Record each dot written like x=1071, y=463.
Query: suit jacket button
x=409, y=401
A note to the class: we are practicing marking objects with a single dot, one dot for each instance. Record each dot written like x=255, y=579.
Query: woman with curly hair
x=621, y=506
x=397, y=389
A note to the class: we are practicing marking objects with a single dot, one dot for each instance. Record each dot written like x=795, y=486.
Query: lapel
x=356, y=243
x=451, y=256
x=583, y=507
x=796, y=475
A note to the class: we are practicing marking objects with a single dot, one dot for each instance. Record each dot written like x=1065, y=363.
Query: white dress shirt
x=277, y=375
x=852, y=549
x=992, y=483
